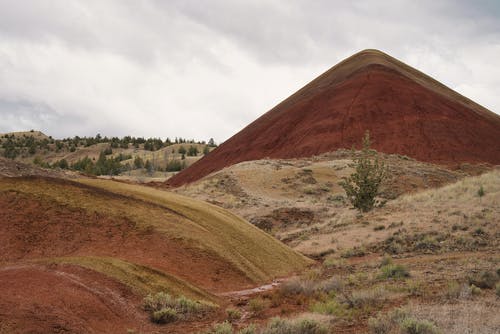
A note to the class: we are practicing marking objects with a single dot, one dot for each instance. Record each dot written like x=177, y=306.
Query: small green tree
x=192, y=151
x=480, y=192
x=206, y=150
x=138, y=162
x=181, y=150
x=362, y=186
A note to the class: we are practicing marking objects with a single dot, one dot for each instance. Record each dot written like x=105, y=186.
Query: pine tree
x=363, y=185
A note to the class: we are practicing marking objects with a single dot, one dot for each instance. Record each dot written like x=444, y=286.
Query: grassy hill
x=130, y=157
x=125, y=212
x=105, y=245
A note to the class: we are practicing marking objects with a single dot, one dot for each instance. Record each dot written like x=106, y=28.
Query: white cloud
x=207, y=69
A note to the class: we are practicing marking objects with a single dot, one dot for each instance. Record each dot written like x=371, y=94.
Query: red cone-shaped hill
x=406, y=112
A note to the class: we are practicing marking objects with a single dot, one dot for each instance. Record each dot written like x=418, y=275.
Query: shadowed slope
x=406, y=111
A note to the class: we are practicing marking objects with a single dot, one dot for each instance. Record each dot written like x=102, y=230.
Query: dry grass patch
x=252, y=251
x=142, y=280
x=200, y=226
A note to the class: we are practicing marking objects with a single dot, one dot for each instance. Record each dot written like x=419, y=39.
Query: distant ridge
x=406, y=111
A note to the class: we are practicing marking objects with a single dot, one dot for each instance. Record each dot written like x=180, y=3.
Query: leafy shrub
x=395, y=271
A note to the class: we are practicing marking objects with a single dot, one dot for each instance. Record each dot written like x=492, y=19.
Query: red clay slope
x=406, y=112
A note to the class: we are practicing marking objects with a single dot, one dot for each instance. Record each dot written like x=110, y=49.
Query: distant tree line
x=13, y=145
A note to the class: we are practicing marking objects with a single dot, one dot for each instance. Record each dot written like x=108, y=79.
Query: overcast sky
x=206, y=68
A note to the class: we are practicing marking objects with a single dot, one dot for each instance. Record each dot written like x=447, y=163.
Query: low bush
x=275, y=326
x=282, y=326
x=222, y=328
x=414, y=326
x=252, y=329
x=353, y=252
x=369, y=297
x=309, y=287
x=400, y=322
x=257, y=305
x=163, y=308
x=395, y=271
x=164, y=316
x=233, y=314
x=484, y=280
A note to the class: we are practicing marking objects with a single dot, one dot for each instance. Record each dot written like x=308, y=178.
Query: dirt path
x=253, y=291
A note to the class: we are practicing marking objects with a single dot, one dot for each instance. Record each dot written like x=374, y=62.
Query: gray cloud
x=206, y=68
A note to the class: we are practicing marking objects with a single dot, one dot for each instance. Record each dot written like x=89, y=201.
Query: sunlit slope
x=140, y=279
x=215, y=229
x=195, y=241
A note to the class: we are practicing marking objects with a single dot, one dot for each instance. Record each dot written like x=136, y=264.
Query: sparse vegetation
x=484, y=279
x=400, y=322
x=257, y=305
x=395, y=271
x=163, y=308
x=352, y=252
x=275, y=326
x=233, y=314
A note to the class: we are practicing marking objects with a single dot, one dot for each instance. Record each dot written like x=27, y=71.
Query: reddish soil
x=68, y=299
x=405, y=111
x=34, y=228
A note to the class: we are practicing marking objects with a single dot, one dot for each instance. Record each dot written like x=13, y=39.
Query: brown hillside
x=406, y=112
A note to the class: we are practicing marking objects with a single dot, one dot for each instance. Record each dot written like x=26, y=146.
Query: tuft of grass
x=222, y=328
x=365, y=298
x=332, y=262
x=233, y=314
x=257, y=305
x=394, y=271
x=251, y=329
x=414, y=326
